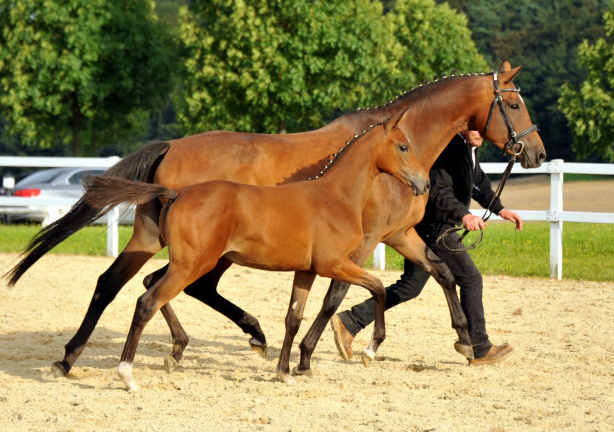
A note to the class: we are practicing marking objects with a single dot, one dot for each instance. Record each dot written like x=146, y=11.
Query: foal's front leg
x=349, y=272
x=300, y=290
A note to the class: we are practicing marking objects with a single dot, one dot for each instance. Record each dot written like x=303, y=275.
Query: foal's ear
x=397, y=121
x=505, y=66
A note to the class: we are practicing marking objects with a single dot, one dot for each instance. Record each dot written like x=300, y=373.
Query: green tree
x=435, y=40
x=543, y=36
x=589, y=108
x=281, y=65
x=82, y=72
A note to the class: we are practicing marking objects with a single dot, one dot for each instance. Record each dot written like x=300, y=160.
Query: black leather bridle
x=517, y=147
x=515, y=143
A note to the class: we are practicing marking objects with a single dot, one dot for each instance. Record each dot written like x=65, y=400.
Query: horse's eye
x=403, y=148
x=515, y=106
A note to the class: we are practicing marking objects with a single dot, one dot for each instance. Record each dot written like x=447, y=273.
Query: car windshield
x=40, y=177
x=78, y=177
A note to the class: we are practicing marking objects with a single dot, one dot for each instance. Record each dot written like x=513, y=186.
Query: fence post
x=556, y=225
x=113, y=232
x=379, y=257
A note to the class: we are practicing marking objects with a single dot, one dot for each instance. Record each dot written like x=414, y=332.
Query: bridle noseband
x=515, y=143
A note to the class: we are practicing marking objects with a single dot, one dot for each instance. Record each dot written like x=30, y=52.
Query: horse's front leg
x=413, y=248
x=300, y=291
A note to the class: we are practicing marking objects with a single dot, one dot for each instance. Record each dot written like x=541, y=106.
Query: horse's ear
x=509, y=75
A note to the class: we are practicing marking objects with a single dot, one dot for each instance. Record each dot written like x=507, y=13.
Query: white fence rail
x=53, y=206
x=555, y=215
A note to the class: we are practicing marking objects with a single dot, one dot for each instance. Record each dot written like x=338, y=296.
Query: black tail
x=139, y=166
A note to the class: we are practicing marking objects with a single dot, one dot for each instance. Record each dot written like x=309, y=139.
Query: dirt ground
x=560, y=377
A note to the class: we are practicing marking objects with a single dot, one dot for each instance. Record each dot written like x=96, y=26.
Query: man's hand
x=512, y=217
x=473, y=223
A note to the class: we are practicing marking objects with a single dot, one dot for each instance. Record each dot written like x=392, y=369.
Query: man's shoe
x=496, y=354
x=343, y=338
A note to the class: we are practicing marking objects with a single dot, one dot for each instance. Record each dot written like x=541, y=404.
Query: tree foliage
x=543, y=36
x=435, y=40
x=83, y=71
x=589, y=108
x=270, y=66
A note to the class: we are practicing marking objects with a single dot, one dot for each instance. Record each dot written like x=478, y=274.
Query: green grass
x=588, y=249
x=91, y=240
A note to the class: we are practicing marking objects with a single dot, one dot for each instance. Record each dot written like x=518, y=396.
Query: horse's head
x=398, y=158
x=507, y=124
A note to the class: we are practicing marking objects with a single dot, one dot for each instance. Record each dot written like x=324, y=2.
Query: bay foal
x=310, y=227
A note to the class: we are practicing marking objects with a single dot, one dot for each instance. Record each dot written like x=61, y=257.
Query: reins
x=515, y=144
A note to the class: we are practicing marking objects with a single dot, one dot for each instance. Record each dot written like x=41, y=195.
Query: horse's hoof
x=301, y=372
x=259, y=347
x=463, y=349
x=367, y=357
x=58, y=370
x=286, y=378
x=170, y=364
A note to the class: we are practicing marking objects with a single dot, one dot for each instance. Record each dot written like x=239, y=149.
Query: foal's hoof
x=463, y=349
x=170, y=364
x=296, y=371
x=367, y=356
x=259, y=347
x=58, y=370
x=286, y=378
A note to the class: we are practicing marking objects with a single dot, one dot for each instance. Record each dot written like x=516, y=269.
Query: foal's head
x=398, y=159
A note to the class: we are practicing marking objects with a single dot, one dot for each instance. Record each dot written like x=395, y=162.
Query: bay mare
x=439, y=111
x=311, y=227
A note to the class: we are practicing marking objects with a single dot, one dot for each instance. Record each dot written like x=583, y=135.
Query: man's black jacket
x=454, y=181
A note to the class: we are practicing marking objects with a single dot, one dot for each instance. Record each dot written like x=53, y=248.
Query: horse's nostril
x=542, y=156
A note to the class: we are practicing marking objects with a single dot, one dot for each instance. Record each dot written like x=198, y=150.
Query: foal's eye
x=403, y=148
x=515, y=106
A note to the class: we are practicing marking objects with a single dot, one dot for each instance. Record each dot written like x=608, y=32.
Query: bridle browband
x=517, y=147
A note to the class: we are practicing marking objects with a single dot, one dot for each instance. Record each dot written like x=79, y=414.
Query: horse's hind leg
x=413, y=248
x=141, y=247
x=205, y=290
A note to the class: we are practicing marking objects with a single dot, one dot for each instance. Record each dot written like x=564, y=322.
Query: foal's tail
x=104, y=193
x=139, y=166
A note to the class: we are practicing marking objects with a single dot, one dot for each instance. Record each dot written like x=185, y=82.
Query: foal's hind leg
x=205, y=290
x=300, y=290
x=167, y=288
x=141, y=247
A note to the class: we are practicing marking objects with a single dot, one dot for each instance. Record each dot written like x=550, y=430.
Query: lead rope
x=455, y=248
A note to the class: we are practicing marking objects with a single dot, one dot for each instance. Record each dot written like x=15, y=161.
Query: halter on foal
x=309, y=227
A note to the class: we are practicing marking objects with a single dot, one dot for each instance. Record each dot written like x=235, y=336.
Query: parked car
x=53, y=183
